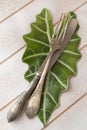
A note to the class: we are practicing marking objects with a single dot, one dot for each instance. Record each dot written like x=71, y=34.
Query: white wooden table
x=15, y=17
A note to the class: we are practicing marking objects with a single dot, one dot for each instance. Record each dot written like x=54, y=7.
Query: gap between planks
x=25, y=45
x=1, y=21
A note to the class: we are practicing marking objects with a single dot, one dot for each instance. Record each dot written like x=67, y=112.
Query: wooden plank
x=12, y=79
x=74, y=119
x=12, y=30
x=9, y=7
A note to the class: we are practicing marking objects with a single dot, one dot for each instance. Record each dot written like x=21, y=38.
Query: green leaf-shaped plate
x=38, y=48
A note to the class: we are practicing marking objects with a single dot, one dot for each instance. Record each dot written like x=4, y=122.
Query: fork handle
x=33, y=104
x=17, y=108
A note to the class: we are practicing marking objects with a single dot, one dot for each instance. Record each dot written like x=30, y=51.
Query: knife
x=18, y=106
x=34, y=102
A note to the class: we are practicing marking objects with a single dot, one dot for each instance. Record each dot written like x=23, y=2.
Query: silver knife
x=33, y=105
x=18, y=106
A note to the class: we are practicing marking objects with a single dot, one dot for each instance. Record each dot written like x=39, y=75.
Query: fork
x=33, y=104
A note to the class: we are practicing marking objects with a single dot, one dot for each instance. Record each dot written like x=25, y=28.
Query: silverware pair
x=34, y=92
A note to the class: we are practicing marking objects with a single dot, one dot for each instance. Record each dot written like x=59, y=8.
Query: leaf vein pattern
x=71, y=52
x=35, y=55
x=58, y=80
x=39, y=29
x=67, y=66
x=52, y=98
x=37, y=41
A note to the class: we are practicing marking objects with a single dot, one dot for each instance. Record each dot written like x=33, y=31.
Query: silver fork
x=33, y=104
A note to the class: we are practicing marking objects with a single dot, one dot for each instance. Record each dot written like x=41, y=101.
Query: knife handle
x=17, y=108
